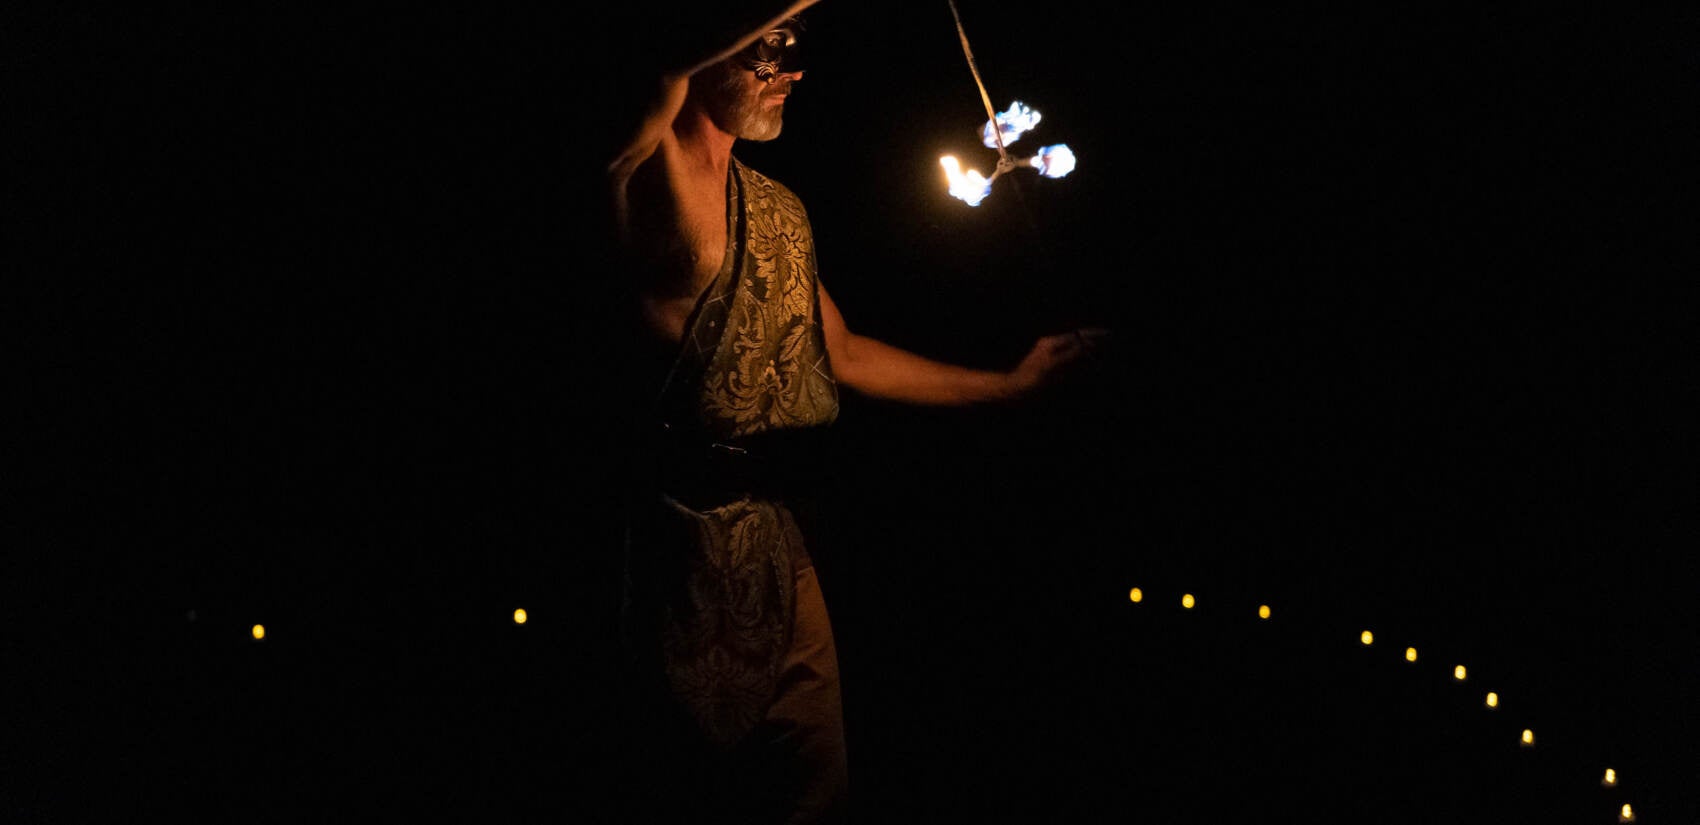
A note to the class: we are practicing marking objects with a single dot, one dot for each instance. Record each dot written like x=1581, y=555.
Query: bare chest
x=684, y=237
x=702, y=237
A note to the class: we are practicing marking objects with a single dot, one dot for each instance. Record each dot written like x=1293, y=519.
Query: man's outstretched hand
x=1050, y=354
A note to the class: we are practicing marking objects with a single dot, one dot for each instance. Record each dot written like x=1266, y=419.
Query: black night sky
x=315, y=337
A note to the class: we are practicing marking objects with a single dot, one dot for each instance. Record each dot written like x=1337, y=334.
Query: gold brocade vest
x=753, y=358
x=752, y=363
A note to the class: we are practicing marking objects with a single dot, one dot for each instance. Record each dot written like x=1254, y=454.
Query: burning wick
x=1009, y=125
x=971, y=186
x=1053, y=161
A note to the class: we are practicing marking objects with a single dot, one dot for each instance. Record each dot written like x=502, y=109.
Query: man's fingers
x=1092, y=336
x=1079, y=341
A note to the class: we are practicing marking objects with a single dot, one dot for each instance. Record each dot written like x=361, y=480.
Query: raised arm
x=673, y=79
x=880, y=370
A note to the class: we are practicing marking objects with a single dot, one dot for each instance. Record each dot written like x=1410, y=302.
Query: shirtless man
x=721, y=597
x=669, y=188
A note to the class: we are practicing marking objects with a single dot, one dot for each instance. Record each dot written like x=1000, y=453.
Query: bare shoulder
x=654, y=126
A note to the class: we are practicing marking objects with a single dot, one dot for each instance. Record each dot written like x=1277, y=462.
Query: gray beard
x=745, y=117
x=761, y=122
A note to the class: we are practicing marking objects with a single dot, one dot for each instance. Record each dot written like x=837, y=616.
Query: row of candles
x=1459, y=673
x=1264, y=613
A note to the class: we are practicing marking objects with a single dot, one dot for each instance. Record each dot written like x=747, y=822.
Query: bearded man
x=727, y=633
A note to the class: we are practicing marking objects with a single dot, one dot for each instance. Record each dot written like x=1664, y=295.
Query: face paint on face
x=744, y=106
x=775, y=53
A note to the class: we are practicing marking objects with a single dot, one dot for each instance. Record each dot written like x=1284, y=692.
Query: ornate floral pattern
x=753, y=360
x=724, y=642
x=756, y=339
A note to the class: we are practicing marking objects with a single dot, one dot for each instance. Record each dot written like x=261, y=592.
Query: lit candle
x=1187, y=601
x=1458, y=673
x=1528, y=738
x=1410, y=654
x=1611, y=778
x=1367, y=637
x=519, y=616
x=1492, y=699
x=1263, y=611
x=259, y=632
x=1627, y=814
x=1136, y=595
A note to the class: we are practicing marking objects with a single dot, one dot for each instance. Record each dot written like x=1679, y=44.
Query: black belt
x=703, y=472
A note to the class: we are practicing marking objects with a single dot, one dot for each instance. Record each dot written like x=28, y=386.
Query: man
x=722, y=606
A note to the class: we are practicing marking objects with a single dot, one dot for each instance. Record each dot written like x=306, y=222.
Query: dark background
x=316, y=336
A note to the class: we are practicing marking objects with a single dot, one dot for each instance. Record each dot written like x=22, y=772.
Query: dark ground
x=314, y=338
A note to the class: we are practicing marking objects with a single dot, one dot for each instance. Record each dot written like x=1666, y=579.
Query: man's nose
x=788, y=77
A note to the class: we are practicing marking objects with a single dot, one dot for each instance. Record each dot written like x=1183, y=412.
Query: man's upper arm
x=834, y=330
x=654, y=127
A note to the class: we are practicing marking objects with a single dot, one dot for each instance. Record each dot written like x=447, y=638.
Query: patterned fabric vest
x=752, y=362
x=753, y=358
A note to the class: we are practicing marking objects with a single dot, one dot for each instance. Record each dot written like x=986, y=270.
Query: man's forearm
x=740, y=26
x=880, y=370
